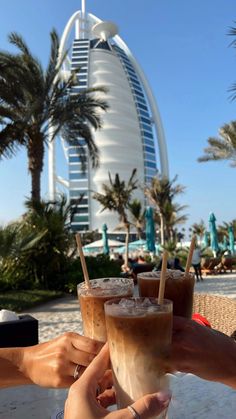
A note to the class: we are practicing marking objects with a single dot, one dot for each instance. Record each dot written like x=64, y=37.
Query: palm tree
x=223, y=229
x=199, y=229
x=116, y=197
x=161, y=192
x=173, y=217
x=137, y=216
x=222, y=148
x=34, y=101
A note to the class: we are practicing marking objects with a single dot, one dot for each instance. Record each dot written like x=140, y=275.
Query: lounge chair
x=208, y=265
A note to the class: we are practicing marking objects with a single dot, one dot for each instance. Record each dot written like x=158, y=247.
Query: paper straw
x=163, y=278
x=190, y=254
x=83, y=262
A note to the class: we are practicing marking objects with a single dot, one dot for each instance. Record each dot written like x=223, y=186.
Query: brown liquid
x=92, y=306
x=178, y=288
x=139, y=349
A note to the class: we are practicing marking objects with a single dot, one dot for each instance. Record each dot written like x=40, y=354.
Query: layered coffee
x=139, y=334
x=92, y=303
x=178, y=288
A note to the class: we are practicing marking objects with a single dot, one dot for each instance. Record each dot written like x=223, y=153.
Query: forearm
x=202, y=351
x=10, y=365
x=227, y=368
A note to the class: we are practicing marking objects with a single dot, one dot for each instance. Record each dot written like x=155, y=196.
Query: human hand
x=82, y=401
x=203, y=351
x=53, y=363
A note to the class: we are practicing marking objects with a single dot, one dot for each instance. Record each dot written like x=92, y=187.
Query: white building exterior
x=132, y=133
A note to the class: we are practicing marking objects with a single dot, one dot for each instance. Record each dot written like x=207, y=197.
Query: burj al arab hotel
x=132, y=134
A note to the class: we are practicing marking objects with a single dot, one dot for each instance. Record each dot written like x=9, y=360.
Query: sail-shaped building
x=132, y=135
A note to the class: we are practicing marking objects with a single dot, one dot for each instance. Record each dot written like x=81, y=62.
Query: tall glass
x=178, y=288
x=92, y=303
x=139, y=334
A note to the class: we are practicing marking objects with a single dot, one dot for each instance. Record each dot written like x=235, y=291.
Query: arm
x=10, y=374
x=204, y=352
x=49, y=364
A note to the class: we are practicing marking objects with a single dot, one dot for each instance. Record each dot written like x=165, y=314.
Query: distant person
x=120, y=259
x=196, y=263
x=159, y=266
x=141, y=260
x=177, y=266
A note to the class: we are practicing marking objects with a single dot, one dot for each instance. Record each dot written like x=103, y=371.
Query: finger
x=107, y=398
x=106, y=381
x=150, y=405
x=81, y=357
x=96, y=369
x=86, y=344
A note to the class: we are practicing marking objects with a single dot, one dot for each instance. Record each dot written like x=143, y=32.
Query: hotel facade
x=132, y=135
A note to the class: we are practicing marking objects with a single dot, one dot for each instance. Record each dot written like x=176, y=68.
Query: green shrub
x=98, y=267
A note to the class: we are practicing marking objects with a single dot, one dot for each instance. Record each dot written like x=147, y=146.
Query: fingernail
x=164, y=396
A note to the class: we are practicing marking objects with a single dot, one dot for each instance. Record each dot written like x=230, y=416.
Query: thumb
x=151, y=404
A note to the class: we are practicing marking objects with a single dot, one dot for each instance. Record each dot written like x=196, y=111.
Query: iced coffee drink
x=178, y=288
x=92, y=303
x=139, y=335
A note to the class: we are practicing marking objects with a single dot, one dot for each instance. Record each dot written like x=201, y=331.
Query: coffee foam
x=105, y=286
x=171, y=274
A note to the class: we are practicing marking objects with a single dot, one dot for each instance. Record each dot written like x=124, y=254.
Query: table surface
x=192, y=398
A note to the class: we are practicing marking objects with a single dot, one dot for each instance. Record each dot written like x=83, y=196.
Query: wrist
x=11, y=367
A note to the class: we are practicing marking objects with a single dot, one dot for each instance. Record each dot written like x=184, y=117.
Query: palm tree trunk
x=162, y=229
x=35, y=164
x=35, y=185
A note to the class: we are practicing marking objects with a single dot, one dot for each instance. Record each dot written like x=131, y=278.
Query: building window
x=150, y=164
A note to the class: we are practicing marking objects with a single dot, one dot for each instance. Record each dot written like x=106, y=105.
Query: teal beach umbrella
x=225, y=243
x=105, y=240
x=206, y=239
x=213, y=233
x=150, y=230
x=231, y=239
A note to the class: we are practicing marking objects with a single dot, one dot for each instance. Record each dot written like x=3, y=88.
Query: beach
x=192, y=397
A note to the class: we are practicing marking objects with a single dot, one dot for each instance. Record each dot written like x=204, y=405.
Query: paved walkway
x=192, y=397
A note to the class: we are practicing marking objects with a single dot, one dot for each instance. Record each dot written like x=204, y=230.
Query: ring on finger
x=133, y=412
x=77, y=371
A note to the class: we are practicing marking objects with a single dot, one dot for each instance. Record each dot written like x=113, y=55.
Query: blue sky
x=184, y=51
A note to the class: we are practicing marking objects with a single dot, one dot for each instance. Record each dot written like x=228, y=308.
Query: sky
x=184, y=49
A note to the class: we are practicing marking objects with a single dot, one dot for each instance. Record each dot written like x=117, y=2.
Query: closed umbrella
x=213, y=233
x=105, y=240
x=150, y=230
x=231, y=239
x=225, y=243
x=206, y=239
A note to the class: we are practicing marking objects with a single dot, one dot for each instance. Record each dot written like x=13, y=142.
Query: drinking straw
x=83, y=262
x=190, y=254
x=163, y=278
